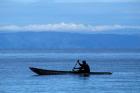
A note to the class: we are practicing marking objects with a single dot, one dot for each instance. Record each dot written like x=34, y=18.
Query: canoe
x=39, y=71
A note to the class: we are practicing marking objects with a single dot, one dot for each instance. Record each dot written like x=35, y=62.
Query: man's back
x=86, y=68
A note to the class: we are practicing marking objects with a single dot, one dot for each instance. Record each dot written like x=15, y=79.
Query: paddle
x=75, y=65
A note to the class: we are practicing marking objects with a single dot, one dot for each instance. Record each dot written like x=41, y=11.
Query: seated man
x=84, y=67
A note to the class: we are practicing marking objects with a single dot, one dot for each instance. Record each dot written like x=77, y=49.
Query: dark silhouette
x=84, y=67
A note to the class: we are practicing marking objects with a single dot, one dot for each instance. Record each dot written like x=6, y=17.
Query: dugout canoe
x=40, y=71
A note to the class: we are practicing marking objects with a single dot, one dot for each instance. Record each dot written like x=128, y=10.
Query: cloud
x=113, y=27
x=45, y=27
x=67, y=27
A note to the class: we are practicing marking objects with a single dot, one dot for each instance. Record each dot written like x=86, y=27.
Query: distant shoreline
x=72, y=50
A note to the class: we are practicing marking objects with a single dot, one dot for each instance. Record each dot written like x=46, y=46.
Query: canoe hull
x=39, y=71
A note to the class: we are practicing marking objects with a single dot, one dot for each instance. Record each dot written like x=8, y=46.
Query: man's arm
x=77, y=68
x=79, y=62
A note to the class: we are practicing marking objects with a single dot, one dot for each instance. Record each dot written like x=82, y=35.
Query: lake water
x=15, y=76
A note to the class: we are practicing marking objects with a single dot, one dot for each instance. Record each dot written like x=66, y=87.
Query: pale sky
x=70, y=1
x=97, y=1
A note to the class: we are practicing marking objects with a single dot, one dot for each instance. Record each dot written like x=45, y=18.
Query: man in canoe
x=84, y=67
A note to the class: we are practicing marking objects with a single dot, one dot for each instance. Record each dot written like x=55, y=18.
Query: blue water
x=15, y=76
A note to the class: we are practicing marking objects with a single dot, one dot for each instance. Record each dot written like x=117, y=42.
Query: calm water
x=15, y=77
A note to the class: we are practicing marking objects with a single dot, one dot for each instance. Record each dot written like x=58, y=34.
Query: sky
x=69, y=15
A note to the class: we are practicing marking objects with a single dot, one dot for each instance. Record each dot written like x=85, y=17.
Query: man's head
x=84, y=62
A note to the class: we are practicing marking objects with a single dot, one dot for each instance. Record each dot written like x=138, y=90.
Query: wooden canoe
x=39, y=71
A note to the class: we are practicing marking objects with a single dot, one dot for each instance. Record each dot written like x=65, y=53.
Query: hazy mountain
x=42, y=40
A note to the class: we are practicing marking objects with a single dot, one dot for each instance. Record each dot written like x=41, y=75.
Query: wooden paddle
x=75, y=65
